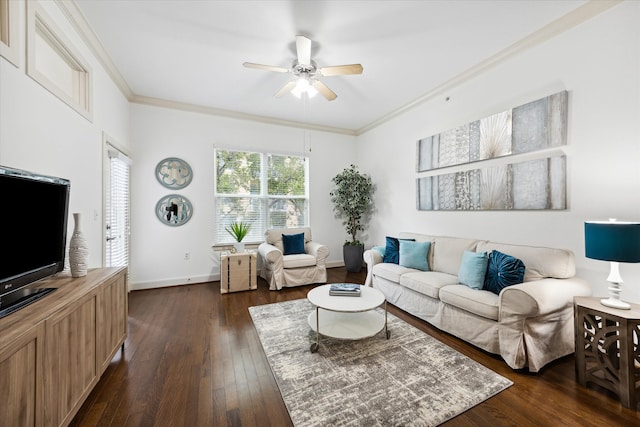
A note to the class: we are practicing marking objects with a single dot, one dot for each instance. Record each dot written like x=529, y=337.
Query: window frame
x=264, y=197
x=9, y=24
x=40, y=24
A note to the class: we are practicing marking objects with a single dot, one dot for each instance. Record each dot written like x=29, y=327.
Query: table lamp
x=614, y=241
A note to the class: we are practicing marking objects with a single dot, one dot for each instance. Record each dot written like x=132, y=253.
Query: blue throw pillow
x=391, y=250
x=473, y=269
x=293, y=243
x=414, y=254
x=503, y=270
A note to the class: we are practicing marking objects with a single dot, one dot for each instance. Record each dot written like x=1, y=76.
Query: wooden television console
x=54, y=351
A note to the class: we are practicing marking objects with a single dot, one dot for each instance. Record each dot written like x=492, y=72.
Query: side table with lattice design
x=607, y=351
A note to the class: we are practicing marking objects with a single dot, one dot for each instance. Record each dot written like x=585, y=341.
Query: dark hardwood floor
x=193, y=358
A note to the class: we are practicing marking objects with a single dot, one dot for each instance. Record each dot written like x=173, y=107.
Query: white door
x=117, y=220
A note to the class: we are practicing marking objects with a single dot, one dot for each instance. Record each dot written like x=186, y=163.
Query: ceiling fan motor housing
x=309, y=70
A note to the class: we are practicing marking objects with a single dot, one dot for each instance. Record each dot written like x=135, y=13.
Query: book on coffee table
x=345, y=289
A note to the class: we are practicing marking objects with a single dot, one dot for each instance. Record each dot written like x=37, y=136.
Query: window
x=265, y=190
x=9, y=34
x=52, y=62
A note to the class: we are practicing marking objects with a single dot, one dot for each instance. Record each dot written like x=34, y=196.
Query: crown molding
x=80, y=23
x=566, y=22
x=193, y=108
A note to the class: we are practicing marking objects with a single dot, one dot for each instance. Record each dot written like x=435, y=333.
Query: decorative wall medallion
x=174, y=173
x=174, y=210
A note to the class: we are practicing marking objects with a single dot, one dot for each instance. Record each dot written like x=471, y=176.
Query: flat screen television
x=34, y=234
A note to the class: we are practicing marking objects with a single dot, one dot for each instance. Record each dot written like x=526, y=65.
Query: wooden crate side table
x=238, y=272
x=607, y=349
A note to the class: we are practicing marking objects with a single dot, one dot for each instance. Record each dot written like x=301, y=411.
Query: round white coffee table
x=346, y=317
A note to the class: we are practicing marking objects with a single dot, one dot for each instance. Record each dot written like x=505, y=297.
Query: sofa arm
x=540, y=297
x=270, y=254
x=371, y=258
x=318, y=250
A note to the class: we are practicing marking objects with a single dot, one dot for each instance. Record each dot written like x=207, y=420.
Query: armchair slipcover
x=292, y=270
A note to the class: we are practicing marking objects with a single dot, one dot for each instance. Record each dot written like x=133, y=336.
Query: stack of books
x=345, y=289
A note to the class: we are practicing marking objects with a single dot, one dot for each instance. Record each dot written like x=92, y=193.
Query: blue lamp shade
x=612, y=241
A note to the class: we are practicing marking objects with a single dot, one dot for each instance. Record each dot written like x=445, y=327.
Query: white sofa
x=529, y=324
x=281, y=270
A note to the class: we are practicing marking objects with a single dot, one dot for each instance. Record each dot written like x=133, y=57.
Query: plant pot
x=239, y=247
x=352, y=255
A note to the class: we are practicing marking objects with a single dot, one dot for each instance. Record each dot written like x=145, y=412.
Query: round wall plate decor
x=174, y=173
x=174, y=210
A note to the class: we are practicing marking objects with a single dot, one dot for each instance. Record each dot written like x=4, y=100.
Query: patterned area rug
x=411, y=379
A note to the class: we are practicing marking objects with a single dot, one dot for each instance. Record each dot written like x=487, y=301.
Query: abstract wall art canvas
x=528, y=185
x=530, y=127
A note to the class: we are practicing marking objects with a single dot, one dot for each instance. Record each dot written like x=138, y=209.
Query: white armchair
x=281, y=270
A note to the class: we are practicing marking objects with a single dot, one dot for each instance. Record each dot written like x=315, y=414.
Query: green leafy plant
x=352, y=199
x=238, y=230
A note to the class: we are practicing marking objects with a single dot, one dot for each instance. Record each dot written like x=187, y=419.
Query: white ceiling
x=191, y=51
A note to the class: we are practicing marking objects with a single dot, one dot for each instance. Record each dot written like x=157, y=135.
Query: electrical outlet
x=187, y=256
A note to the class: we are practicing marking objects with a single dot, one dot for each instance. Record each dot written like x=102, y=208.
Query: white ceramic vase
x=78, y=249
x=238, y=247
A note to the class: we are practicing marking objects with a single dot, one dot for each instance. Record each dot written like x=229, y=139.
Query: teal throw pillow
x=473, y=269
x=503, y=270
x=414, y=254
x=293, y=243
x=392, y=250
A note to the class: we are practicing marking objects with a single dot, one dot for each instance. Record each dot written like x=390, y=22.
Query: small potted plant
x=238, y=230
x=352, y=199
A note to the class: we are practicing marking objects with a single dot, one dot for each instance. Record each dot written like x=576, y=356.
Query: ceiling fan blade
x=324, y=90
x=338, y=70
x=265, y=67
x=286, y=88
x=303, y=48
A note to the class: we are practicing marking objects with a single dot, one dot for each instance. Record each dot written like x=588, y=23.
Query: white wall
x=157, y=250
x=598, y=62
x=40, y=133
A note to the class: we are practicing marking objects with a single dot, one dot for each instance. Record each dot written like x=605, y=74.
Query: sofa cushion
x=414, y=254
x=447, y=253
x=391, y=272
x=482, y=303
x=503, y=270
x=473, y=269
x=540, y=262
x=299, y=260
x=428, y=283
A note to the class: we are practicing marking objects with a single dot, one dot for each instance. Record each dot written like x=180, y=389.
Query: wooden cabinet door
x=112, y=319
x=70, y=359
x=20, y=373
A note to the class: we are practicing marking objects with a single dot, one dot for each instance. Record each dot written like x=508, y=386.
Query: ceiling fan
x=307, y=72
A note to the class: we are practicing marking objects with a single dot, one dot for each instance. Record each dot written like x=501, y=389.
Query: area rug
x=411, y=379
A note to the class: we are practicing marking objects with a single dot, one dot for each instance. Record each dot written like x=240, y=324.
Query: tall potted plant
x=352, y=198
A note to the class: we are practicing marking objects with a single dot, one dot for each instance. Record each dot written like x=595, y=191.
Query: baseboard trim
x=175, y=281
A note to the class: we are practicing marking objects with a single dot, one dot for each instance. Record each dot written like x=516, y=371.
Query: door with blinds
x=117, y=218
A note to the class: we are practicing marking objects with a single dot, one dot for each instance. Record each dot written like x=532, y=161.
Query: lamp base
x=615, y=287
x=615, y=303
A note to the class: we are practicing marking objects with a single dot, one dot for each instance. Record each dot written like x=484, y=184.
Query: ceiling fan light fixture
x=303, y=85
